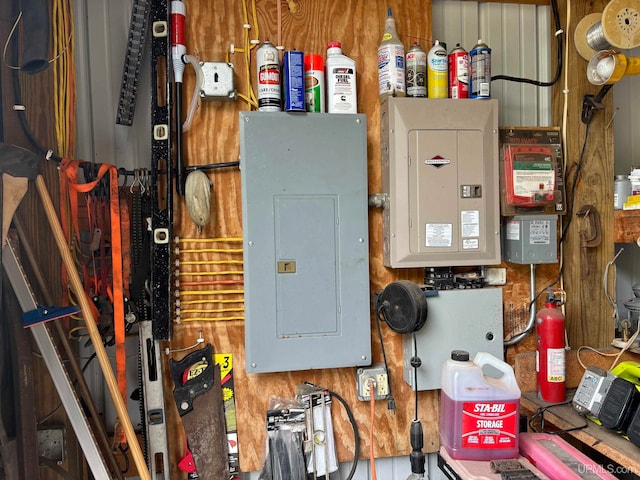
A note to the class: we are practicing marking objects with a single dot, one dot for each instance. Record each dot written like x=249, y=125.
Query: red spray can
x=550, y=352
x=458, y=73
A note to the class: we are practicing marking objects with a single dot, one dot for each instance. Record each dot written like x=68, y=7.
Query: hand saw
x=198, y=396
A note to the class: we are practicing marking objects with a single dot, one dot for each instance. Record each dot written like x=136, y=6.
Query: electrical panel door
x=305, y=241
x=440, y=181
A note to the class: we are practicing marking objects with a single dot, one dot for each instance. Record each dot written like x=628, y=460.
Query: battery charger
x=619, y=405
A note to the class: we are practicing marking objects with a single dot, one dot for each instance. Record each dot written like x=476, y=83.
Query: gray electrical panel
x=305, y=239
x=440, y=180
x=469, y=319
x=530, y=239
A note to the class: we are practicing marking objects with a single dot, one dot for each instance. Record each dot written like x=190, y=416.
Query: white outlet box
x=218, y=83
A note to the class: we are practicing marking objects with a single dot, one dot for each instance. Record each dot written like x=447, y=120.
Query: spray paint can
x=480, y=81
x=416, y=65
x=314, y=83
x=458, y=73
x=437, y=72
x=268, y=67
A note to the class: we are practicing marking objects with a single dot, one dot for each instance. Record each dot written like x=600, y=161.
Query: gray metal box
x=440, y=179
x=468, y=320
x=305, y=239
x=530, y=239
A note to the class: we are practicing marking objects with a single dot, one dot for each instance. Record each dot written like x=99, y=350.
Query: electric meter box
x=305, y=241
x=440, y=182
x=531, y=171
x=530, y=239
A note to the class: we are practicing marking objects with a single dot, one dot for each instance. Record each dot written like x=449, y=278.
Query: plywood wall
x=308, y=26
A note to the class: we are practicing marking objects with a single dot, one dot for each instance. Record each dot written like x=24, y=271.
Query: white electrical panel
x=440, y=179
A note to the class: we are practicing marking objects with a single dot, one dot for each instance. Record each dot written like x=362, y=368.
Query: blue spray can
x=480, y=78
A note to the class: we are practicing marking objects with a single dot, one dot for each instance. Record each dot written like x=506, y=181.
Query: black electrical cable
x=576, y=178
x=415, y=362
x=540, y=413
x=391, y=403
x=559, y=61
x=356, y=434
x=17, y=96
x=569, y=215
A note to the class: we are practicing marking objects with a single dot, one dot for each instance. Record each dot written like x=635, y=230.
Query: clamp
x=592, y=237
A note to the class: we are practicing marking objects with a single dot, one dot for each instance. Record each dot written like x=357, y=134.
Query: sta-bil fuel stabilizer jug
x=479, y=414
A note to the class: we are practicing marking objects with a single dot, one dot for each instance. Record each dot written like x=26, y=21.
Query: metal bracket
x=591, y=103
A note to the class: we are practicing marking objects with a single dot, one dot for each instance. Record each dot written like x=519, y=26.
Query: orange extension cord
x=372, y=460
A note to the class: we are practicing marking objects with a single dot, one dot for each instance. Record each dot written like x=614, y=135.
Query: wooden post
x=588, y=312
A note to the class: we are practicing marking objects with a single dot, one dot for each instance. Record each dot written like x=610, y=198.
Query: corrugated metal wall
x=101, y=40
x=519, y=35
x=627, y=121
x=626, y=126
x=520, y=38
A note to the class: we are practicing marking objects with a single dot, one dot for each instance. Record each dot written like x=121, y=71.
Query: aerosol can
x=550, y=351
x=458, y=73
x=416, y=68
x=268, y=70
x=480, y=81
x=437, y=72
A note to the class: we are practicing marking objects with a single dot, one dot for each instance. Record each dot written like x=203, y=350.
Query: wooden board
x=626, y=226
x=525, y=365
x=308, y=26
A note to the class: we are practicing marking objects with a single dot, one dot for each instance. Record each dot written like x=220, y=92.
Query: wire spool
x=588, y=37
x=621, y=23
x=617, y=27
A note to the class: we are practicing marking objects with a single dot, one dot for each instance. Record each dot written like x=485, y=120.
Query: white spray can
x=268, y=66
x=342, y=94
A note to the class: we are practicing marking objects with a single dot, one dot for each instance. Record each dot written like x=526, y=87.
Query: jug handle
x=485, y=358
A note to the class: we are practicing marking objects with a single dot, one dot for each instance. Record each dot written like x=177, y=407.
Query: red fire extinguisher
x=550, y=352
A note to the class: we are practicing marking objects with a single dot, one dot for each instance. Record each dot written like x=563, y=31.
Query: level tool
x=161, y=175
x=132, y=62
x=155, y=442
